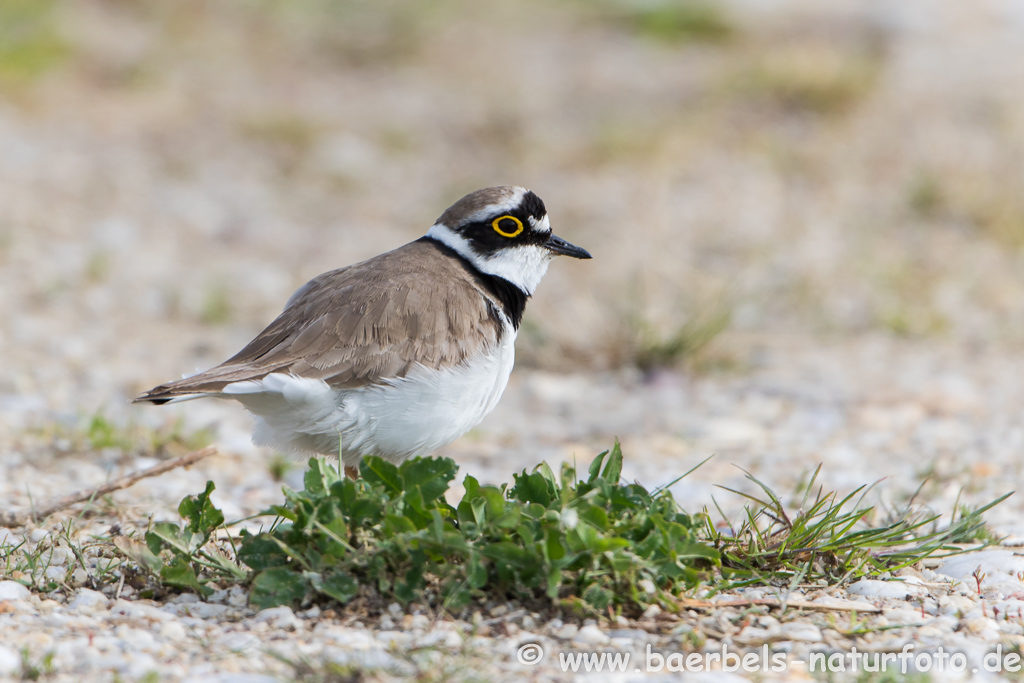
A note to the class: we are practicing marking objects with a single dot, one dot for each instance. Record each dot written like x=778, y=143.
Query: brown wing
x=358, y=325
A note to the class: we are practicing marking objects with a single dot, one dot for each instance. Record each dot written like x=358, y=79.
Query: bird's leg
x=351, y=472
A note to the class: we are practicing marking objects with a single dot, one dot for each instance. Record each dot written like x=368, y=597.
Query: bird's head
x=504, y=231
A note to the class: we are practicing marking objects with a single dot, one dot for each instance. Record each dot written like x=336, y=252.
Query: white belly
x=414, y=415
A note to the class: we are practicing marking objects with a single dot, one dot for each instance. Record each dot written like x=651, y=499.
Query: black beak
x=557, y=245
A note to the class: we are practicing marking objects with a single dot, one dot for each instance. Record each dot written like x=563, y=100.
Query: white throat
x=523, y=266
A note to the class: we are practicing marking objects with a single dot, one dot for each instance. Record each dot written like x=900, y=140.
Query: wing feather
x=364, y=324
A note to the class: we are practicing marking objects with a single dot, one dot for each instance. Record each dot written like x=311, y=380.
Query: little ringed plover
x=401, y=354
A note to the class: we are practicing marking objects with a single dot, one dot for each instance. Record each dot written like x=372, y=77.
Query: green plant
x=30, y=44
x=31, y=671
x=593, y=542
x=587, y=545
x=99, y=432
x=816, y=78
x=831, y=538
x=686, y=342
x=674, y=21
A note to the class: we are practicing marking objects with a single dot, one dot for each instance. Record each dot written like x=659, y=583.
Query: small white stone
x=136, y=638
x=979, y=625
x=395, y=609
x=278, y=617
x=567, y=632
x=37, y=535
x=88, y=600
x=204, y=610
x=239, y=642
x=803, y=632
x=445, y=639
x=752, y=635
x=238, y=598
x=10, y=661
x=352, y=638
x=397, y=638
x=12, y=590
x=955, y=605
x=174, y=631
x=56, y=573
x=590, y=635
x=885, y=589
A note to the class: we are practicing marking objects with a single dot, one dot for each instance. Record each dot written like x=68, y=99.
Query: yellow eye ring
x=496, y=224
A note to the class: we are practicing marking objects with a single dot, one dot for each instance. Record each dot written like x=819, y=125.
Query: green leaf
x=202, y=515
x=408, y=589
x=554, y=582
x=139, y=553
x=426, y=479
x=179, y=573
x=316, y=477
x=260, y=552
x=379, y=472
x=595, y=467
x=476, y=573
x=338, y=585
x=613, y=468
x=169, y=535
x=595, y=516
x=456, y=595
x=398, y=524
x=598, y=598
x=534, y=488
x=510, y=554
x=277, y=586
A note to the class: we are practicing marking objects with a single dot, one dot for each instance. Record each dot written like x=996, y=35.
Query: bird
x=399, y=355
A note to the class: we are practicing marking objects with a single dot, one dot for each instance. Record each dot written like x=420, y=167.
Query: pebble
x=885, y=589
x=567, y=632
x=10, y=661
x=88, y=600
x=233, y=678
x=590, y=635
x=281, y=618
x=173, y=630
x=12, y=590
x=446, y=639
x=800, y=631
x=205, y=610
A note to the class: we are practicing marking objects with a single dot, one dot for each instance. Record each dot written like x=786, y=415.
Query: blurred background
x=822, y=197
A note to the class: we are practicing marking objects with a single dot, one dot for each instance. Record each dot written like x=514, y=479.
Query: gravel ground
x=842, y=181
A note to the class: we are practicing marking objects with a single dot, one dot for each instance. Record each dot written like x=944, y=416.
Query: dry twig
x=18, y=519
x=775, y=603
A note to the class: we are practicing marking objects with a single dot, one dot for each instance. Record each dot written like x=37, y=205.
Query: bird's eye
x=507, y=226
